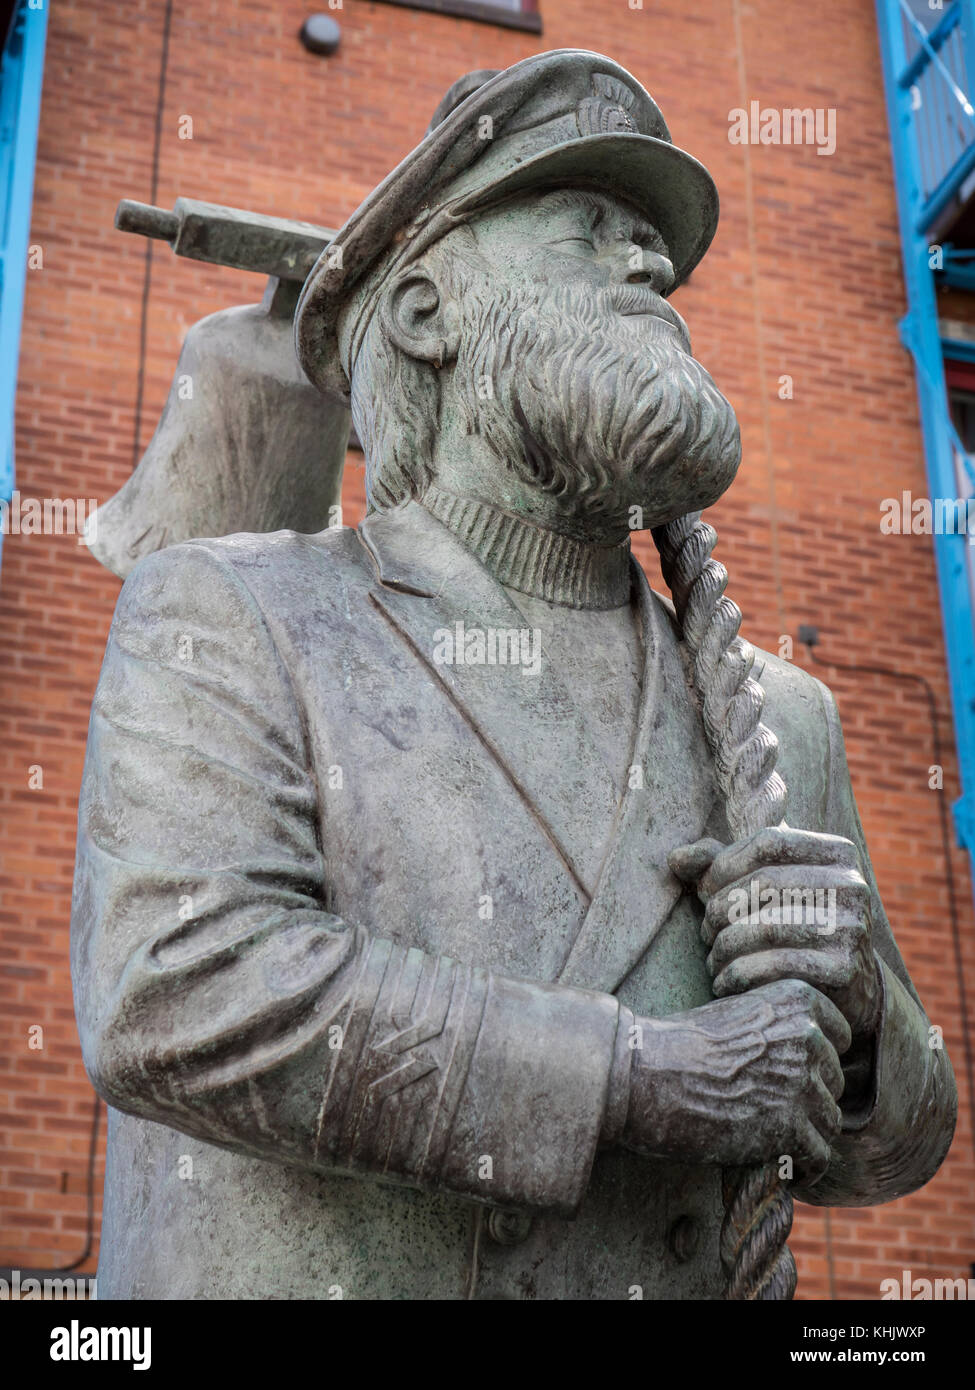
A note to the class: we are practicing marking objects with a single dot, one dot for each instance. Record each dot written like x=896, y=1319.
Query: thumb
x=690, y=862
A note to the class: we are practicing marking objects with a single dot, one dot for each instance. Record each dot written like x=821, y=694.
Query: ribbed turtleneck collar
x=533, y=560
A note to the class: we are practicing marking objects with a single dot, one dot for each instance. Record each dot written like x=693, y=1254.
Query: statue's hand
x=743, y=1080
x=787, y=904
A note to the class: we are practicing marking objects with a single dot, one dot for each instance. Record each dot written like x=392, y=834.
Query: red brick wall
x=804, y=279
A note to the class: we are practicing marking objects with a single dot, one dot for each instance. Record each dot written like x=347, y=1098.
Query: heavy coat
x=351, y=1003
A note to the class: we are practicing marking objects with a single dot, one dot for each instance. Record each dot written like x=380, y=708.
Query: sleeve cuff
x=534, y=1105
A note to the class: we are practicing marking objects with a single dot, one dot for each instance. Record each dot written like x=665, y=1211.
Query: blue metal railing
x=21, y=69
x=929, y=76
x=937, y=80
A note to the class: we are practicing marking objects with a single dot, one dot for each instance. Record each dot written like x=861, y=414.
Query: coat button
x=508, y=1227
x=682, y=1239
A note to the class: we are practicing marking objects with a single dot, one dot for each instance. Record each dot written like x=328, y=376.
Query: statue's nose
x=640, y=267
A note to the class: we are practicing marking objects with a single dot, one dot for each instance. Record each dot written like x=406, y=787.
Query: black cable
x=6, y=1272
x=945, y=845
x=89, y=1190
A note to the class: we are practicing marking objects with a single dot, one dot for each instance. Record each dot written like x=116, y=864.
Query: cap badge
x=606, y=112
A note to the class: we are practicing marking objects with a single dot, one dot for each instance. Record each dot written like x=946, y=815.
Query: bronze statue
x=455, y=917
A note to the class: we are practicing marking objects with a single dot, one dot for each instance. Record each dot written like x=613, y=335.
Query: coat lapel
x=637, y=892
x=431, y=587
x=429, y=582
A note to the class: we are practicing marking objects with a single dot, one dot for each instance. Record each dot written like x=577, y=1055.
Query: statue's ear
x=421, y=320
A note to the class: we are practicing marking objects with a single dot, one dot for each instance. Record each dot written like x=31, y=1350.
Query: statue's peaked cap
x=565, y=118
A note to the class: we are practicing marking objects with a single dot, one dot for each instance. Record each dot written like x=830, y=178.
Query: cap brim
x=668, y=186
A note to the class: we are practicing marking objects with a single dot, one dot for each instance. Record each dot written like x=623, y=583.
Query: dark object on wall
x=320, y=34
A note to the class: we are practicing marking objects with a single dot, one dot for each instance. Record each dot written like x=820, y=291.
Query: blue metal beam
x=947, y=189
x=957, y=268
x=21, y=71
x=958, y=350
x=958, y=277
x=933, y=42
x=919, y=331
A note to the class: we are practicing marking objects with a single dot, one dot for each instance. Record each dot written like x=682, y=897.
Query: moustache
x=637, y=300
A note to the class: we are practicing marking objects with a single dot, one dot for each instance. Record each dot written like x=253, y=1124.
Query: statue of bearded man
x=418, y=874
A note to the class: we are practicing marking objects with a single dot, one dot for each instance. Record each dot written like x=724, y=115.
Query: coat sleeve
x=217, y=995
x=901, y=1104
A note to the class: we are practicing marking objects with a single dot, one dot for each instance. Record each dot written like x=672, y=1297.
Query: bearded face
x=533, y=354
x=591, y=395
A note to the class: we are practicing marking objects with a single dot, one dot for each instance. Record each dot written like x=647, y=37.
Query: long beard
x=607, y=413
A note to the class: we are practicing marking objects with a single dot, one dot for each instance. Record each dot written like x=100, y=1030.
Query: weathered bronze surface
x=454, y=916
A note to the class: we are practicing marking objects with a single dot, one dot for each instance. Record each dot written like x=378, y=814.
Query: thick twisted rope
x=757, y=1262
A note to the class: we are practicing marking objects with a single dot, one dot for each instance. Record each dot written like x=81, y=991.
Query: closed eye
x=575, y=241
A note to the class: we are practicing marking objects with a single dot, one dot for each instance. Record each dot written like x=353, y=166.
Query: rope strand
x=756, y=1261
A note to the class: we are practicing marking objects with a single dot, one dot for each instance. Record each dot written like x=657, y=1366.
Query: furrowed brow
x=595, y=206
x=600, y=209
x=645, y=234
